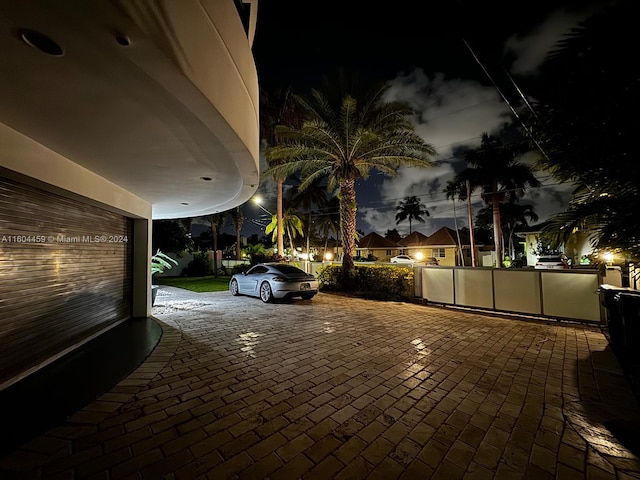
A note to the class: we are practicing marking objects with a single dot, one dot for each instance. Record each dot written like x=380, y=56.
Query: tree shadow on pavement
x=607, y=415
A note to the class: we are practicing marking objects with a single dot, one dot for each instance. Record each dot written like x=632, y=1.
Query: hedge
x=379, y=282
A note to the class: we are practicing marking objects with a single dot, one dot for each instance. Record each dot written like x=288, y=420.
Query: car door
x=250, y=281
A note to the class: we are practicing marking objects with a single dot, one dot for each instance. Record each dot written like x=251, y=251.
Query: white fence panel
x=517, y=291
x=474, y=287
x=571, y=295
x=437, y=284
x=553, y=293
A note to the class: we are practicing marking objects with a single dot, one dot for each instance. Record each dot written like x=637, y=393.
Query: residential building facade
x=113, y=114
x=443, y=246
x=375, y=246
x=415, y=245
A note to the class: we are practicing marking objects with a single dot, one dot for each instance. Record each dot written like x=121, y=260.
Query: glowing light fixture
x=258, y=201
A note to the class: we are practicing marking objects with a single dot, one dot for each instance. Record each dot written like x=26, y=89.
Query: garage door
x=65, y=274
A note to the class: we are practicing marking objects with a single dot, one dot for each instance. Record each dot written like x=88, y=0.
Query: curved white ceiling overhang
x=160, y=98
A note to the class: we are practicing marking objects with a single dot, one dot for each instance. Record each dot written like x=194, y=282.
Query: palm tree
x=306, y=199
x=512, y=216
x=411, y=208
x=452, y=191
x=279, y=108
x=590, y=135
x=328, y=220
x=343, y=138
x=217, y=221
x=254, y=252
x=292, y=224
x=393, y=235
x=494, y=168
x=238, y=219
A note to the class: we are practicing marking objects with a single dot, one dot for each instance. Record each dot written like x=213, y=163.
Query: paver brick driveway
x=346, y=388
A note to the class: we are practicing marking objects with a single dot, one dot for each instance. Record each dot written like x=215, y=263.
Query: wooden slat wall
x=53, y=294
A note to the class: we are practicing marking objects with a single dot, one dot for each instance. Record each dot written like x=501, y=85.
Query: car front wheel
x=234, y=287
x=265, y=292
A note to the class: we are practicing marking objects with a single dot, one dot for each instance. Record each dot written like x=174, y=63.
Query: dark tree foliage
x=512, y=216
x=495, y=168
x=204, y=241
x=170, y=237
x=587, y=102
x=264, y=240
x=393, y=235
x=411, y=208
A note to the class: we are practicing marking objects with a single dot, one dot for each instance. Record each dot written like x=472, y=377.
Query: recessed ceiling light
x=40, y=42
x=122, y=39
x=206, y=179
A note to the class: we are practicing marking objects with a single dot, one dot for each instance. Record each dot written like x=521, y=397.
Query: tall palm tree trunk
x=214, y=233
x=497, y=229
x=472, y=235
x=348, y=223
x=238, y=246
x=309, y=235
x=293, y=248
x=455, y=223
x=326, y=242
x=279, y=219
x=238, y=219
x=512, y=246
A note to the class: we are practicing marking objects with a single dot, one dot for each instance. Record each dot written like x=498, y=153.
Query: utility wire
x=524, y=99
x=506, y=100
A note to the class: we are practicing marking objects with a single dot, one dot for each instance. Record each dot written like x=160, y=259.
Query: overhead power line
x=506, y=100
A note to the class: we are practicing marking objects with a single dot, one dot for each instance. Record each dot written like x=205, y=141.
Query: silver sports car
x=274, y=280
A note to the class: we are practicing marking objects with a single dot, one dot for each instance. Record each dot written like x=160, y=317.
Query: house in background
x=578, y=245
x=415, y=245
x=377, y=246
x=113, y=114
x=443, y=245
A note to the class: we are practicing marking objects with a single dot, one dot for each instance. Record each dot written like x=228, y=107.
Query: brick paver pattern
x=343, y=388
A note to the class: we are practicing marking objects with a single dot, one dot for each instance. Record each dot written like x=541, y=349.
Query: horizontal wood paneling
x=54, y=293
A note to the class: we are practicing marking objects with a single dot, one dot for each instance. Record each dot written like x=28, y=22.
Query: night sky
x=419, y=48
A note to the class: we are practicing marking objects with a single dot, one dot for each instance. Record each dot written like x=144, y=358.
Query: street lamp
x=258, y=201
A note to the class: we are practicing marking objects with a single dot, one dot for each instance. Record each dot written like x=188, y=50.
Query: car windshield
x=287, y=269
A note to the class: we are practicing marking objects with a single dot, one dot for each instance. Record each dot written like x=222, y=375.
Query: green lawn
x=196, y=284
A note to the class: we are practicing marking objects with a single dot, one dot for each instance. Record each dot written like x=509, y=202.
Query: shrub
x=518, y=263
x=379, y=282
x=265, y=258
x=330, y=278
x=199, y=266
x=239, y=268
